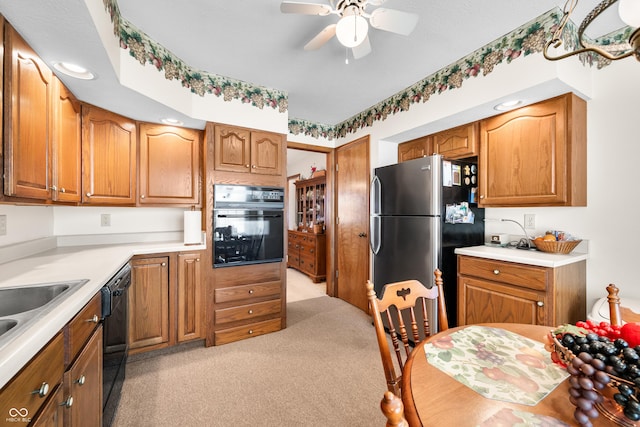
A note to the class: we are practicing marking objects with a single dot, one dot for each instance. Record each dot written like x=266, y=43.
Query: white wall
x=26, y=223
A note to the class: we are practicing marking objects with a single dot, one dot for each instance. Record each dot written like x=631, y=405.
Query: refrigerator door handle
x=374, y=234
x=375, y=195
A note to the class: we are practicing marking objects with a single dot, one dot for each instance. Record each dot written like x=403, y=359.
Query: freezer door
x=408, y=188
x=407, y=248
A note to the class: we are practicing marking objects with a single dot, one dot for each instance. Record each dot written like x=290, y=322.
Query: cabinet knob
x=250, y=331
x=246, y=166
x=68, y=402
x=54, y=188
x=253, y=166
x=142, y=196
x=42, y=391
x=197, y=259
x=250, y=311
x=81, y=380
x=481, y=196
x=164, y=264
x=540, y=304
x=88, y=194
x=94, y=319
x=496, y=271
x=63, y=190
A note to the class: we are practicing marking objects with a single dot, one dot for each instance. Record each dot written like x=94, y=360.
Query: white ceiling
x=251, y=40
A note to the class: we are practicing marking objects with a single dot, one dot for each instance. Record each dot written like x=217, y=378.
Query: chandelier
x=629, y=11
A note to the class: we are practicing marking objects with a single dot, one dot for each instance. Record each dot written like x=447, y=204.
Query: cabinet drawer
x=249, y=311
x=43, y=372
x=238, y=293
x=81, y=327
x=514, y=274
x=247, y=331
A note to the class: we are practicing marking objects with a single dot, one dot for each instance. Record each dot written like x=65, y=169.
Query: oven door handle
x=248, y=216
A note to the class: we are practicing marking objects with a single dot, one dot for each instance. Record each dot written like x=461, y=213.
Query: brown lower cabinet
x=492, y=291
x=165, y=301
x=307, y=253
x=248, y=302
x=62, y=384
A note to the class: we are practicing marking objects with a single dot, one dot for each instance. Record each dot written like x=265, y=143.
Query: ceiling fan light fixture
x=351, y=30
x=629, y=11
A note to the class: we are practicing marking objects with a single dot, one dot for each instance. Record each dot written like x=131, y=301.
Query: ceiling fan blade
x=362, y=50
x=393, y=21
x=323, y=36
x=376, y=2
x=305, y=8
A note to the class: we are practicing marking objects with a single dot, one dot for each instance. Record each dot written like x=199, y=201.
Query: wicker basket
x=558, y=247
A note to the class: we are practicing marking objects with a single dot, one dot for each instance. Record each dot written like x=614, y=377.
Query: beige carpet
x=323, y=369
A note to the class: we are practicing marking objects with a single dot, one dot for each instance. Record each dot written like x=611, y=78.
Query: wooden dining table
x=433, y=398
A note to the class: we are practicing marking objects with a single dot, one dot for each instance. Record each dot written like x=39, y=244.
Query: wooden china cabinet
x=307, y=244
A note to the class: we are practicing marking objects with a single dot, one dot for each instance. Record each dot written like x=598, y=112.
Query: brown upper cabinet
x=67, y=145
x=457, y=143
x=169, y=170
x=108, y=158
x=415, y=148
x=27, y=120
x=535, y=155
x=244, y=150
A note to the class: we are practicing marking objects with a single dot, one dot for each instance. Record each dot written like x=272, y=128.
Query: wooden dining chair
x=618, y=313
x=396, y=311
x=393, y=410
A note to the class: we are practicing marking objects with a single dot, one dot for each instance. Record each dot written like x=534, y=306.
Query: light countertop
x=96, y=263
x=531, y=257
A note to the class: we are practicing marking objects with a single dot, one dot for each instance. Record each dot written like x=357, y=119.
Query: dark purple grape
x=580, y=417
x=575, y=392
x=621, y=399
x=587, y=369
x=591, y=337
x=620, y=343
x=625, y=389
x=580, y=340
x=598, y=364
x=633, y=416
x=584, y=404
x=586, y=357
x=585, y=383
x=589, y=394
x=601, y=377
x=572, y=370
x=567, y=340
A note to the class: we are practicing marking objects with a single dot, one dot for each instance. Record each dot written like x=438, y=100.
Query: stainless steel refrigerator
x=417, y=222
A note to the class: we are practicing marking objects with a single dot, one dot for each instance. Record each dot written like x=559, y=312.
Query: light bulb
x=629, y=11
x=351, y=30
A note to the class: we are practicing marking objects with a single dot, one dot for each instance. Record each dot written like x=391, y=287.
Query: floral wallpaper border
x=527, y=39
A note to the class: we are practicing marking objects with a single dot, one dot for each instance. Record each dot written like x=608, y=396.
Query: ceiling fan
x=352, y=28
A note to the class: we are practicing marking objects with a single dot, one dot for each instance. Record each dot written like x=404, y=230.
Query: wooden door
x=169, y=171
x=27, y=120
x=83, y=383
x=352, y=225
x=266, y=153
x=149, y=302
x=67, y=145
x=189, y=297
x=232, y=149
x=108, y=158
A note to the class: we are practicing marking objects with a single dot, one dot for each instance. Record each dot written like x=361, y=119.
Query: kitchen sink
x=20, y=306
x=19, y=300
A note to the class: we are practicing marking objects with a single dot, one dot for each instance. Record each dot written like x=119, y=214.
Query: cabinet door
x=535, y=155
x=169, y=165
x=457, y=143
x=83, y=383
x=149, y=302
x=27, y=120
x=66, y=149
x=482, y=301
x=232, y=148
x=108, y=158
x=52, y=415
x=189, y=297
x=266, y=153
x=414, y=149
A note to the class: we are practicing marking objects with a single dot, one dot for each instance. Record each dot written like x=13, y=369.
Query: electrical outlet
x=3, y=225
x=105, y=220
x=529, y=221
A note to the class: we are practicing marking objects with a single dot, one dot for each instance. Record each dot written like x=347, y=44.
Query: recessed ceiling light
x=172, y=122
x=74, y=70
x=507, y=105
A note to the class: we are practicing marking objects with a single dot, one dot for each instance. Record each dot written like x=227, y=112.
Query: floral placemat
x=508, y=417
x=496, y=363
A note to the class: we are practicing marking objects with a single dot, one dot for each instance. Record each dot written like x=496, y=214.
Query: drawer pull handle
x=496, y=271
x=94, y=319
x=68, y=402
x=250, y=331
x=250, y=311
x=250, y=291
x=540, y=304
x=42, y=391
x=81, y=380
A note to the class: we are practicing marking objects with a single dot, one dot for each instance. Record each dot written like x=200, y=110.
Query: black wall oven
x=248, y=224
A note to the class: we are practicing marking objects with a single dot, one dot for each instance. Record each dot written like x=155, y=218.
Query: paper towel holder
x=192, y=227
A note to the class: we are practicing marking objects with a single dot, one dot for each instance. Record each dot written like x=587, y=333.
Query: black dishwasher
x=115, y=316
